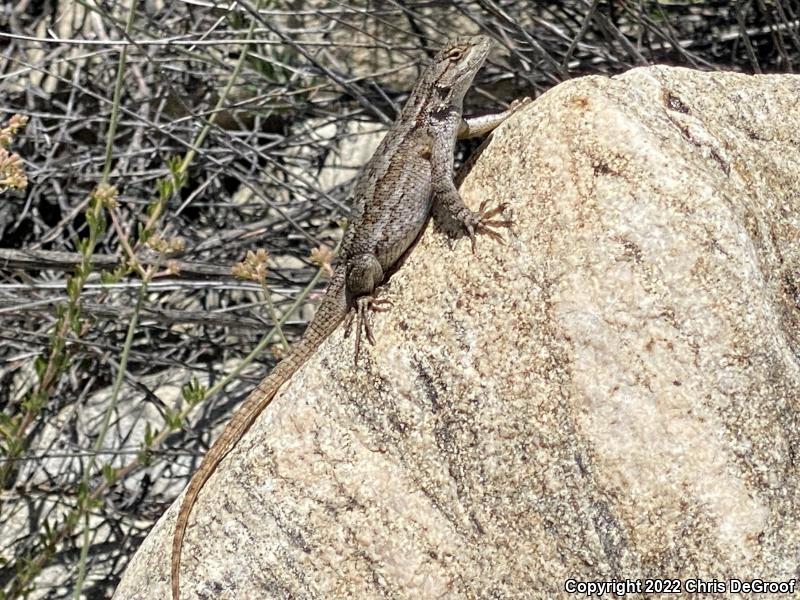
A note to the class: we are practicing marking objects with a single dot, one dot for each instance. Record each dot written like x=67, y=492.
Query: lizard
x=408, y=179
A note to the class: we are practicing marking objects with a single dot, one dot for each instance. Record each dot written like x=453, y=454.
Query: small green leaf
x=173, y=419
x=73, y=288
x=109, y=277
x=149, y=434
x=144, y=457
x=164, y=187
x=193, y=392
x=40, y=365
x=109, y=473
x=34, y=402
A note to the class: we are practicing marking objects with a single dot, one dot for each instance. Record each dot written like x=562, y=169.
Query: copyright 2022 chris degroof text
x=620, y=588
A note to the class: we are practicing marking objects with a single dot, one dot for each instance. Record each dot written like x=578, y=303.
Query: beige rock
x=613, y=394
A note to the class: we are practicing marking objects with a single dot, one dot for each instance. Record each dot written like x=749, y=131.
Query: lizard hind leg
x=360, y=314
x=364, y=275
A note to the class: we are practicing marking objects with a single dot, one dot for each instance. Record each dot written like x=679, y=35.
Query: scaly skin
x=409, y=176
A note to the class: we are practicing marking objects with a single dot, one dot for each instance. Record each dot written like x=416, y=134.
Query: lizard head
x=455, y=65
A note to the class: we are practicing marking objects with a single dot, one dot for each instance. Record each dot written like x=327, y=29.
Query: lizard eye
x=455, y=54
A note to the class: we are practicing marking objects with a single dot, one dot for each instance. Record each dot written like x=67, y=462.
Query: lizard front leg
x=448, y=204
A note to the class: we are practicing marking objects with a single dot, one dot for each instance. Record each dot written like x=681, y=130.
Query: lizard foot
x=360, y=314
x=484, y=221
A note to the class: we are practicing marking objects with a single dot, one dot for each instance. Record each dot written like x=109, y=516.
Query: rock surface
x=613, y=394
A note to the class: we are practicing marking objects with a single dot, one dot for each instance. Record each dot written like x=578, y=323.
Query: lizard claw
x=484, y=223
x=380, y=304
x=360, y=314
x=348, y=323
x=470, y=228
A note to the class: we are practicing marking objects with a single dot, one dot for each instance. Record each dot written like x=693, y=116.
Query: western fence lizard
x=409, y=177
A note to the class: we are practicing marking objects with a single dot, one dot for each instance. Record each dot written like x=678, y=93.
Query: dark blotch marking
x=610, y=534
x=442, y=112
x=672, y=102
x=601, y=168
x=429, y=386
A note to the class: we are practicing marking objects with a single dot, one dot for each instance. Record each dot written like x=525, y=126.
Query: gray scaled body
x=409, y=176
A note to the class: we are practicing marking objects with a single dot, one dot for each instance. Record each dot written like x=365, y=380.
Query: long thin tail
x=330, y=313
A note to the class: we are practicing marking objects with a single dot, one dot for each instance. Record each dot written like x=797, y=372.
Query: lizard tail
x=330, y=314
